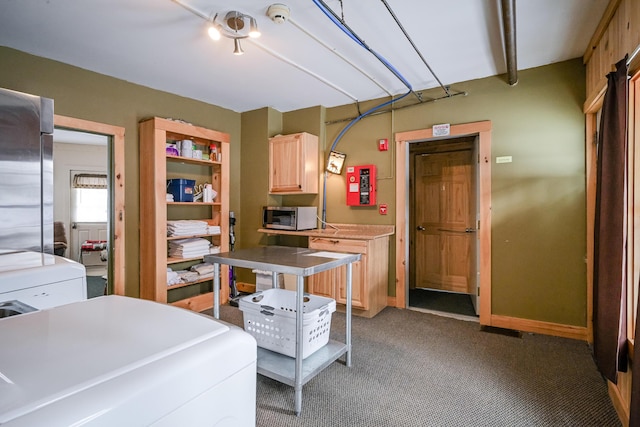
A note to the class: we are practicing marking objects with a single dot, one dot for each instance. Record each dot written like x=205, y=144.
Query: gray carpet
x=95, y=286
x=417, y=369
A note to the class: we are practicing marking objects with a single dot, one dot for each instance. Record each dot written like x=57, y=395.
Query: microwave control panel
x=361, y=185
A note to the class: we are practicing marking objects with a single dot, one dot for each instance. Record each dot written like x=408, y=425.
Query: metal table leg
x=299, y=343
x=348, y=314
x=216, y=290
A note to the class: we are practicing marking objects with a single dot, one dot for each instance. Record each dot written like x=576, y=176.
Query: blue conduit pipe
x=340, y=24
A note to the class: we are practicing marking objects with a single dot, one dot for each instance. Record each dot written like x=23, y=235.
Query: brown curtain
x=609, y=302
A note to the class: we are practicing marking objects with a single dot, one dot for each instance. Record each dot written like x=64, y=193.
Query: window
x=89, y=198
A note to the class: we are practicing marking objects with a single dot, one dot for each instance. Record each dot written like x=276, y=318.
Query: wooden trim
x=198, y=303
x=539, y=327
x=403, y=139
x=117, y=169
x=391, y=301
x=246, y=287
x=594, y=103
x=591, y=178
x=618, y=403
x=172, y=126
x=607, y=16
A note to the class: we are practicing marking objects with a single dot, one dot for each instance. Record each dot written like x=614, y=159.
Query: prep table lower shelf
x=282, y=368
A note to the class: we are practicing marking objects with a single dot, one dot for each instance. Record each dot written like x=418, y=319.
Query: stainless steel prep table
x=300, y=262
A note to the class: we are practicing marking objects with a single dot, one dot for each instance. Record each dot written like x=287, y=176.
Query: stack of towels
x=173, y=278
x=197, y=272
x=190, y=227
x=187, y=227
x=189, y=248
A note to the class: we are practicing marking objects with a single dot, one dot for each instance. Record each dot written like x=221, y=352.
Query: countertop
x=341, y=231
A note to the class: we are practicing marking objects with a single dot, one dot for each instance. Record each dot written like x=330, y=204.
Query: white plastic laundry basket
x=270, y=317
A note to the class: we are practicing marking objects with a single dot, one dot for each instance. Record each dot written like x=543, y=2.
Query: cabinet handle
x=335, y=242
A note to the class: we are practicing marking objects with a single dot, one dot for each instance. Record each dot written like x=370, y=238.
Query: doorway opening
x=111, y=138
x=481, y=131
x=443, y=268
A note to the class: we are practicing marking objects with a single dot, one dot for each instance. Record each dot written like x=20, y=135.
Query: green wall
x=538, y=201
x=90, y=96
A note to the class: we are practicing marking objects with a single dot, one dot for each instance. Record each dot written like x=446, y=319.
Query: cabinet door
x=323, y=284
x=285, y=164
x=337, y=283
x=293, y=164
x=358, y=291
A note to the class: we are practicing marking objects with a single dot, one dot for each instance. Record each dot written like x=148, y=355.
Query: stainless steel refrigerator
x=26, y=172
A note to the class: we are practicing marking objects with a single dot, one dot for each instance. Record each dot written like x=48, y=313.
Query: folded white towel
x=204, y=268
x=194, y=243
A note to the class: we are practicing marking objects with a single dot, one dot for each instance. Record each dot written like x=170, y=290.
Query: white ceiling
x=163, y=45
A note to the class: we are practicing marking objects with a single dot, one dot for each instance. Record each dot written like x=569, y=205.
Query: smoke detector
x=279, y=13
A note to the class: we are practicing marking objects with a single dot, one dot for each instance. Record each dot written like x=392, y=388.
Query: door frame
x=115, y=172
x=483, y=131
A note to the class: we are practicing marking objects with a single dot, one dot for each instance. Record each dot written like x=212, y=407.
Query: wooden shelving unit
x=155, y=168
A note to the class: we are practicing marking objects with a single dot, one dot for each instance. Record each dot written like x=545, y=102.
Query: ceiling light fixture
x=234, y=25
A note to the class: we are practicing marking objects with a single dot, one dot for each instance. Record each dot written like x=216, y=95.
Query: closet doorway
x=480, y=133
x=442, y=227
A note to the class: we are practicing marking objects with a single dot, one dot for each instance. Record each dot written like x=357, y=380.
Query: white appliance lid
x=25, y=269
x=50, y=354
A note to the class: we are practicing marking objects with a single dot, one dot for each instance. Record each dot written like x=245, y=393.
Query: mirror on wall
x=88, y=162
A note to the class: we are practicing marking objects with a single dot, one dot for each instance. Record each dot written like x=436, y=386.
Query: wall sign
x=442, y=130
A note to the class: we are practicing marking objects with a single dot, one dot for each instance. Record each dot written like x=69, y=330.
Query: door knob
x=420, y=228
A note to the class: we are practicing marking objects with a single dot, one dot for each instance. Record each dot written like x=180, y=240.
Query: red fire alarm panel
x=383, y=144
x=361, y=185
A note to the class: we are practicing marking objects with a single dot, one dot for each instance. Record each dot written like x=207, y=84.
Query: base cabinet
x=369, y=275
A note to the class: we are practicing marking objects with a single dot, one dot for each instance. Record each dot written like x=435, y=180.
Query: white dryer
x=41, y=280
x=119, y=361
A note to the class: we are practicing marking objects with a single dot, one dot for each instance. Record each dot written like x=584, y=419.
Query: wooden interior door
x=444, y=221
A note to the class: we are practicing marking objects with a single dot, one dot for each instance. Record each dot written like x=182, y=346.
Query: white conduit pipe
x=339, y=55
x=193, y=10
x=301, y=68
x=273, y=53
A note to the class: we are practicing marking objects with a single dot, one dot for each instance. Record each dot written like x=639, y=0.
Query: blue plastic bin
x=182, y=189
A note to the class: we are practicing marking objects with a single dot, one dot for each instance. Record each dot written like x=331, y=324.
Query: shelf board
x=192, y=161
x=195, y=203
x=172, y=260
x=282, y=368
x=182, y=285
x=193, y=236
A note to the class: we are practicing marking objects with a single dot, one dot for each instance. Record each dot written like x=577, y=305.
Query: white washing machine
x=41, y=280
x=119, y=361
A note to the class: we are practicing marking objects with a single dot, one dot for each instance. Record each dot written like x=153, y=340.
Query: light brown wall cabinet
x=369, y=275
x=293, y=164
x=155, y=168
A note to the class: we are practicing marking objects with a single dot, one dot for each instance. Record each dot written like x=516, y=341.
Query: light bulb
x=253, y=28
x=214, y=32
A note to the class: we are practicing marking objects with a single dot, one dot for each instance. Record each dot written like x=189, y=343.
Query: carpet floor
x=95, y=286
x=419, y=369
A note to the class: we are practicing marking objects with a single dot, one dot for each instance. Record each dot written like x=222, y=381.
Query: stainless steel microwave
x=290, y=217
